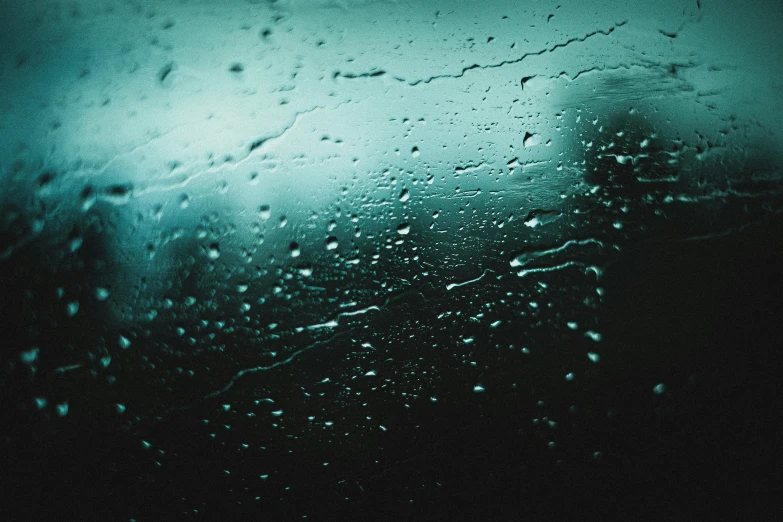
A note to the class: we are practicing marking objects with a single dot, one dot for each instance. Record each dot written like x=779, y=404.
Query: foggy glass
x=348, y=259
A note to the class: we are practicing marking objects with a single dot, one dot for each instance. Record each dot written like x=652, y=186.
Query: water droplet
x=415, y=152
x=118, y=194
x=88, y=198
x=331, y=243
x=166, y=71
x=62, y=409
x=101, y=294
x=265, y=212
x=294, y=249
x=74, y=243
x=124, y=342
x=659, y=388
x=569, y=376
x=594, y=357
x=214, y=251
x=404, y=229
x=120, y=408
x=478, y=388
x=72, y=308
x=29, y=356
x=277, y=413
x=404, y=195
x=595, y=336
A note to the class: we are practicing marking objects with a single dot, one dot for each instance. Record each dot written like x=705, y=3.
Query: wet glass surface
x=340, y=259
